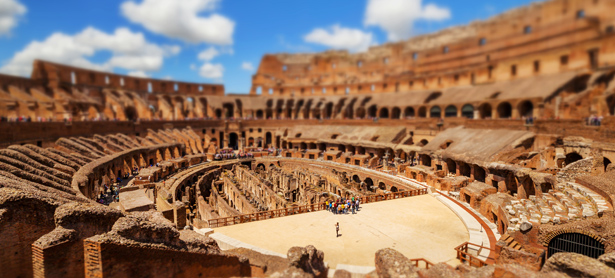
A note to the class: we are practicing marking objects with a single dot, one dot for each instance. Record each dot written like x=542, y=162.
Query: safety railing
x=245, y=218
x=464, y=255
x=425, y=263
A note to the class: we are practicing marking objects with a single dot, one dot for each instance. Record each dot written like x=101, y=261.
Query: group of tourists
x=343, y=206
x=110, y=194
x=594, y=120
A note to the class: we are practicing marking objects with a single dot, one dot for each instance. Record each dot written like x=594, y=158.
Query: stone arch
x=526, y=109
x=395, y=113
x=450, y=111
x=370, y=184
x=422, y=112
x=328, y=111
x=451, y=165
x=572, y=157
x=371, y=111
x=218, y=113
x=360, y=112
x=435, y=112
x=467, y=111
x=233, y=141
x=384, y=113
x=606, y=162
x=504, y=110
x=259, y=114
x=394, y=189
x=575, y=240
x=479, y=173
x=382, y=186
x=464, y=169
x=356, y=178
x=425, y=160
x=409, y=112
x=485, y=111
x=268, y=138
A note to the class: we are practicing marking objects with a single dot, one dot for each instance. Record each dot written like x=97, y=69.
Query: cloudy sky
x=211, y=41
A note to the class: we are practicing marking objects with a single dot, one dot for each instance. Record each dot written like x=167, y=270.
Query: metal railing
x=464, y=256
x=245, y=218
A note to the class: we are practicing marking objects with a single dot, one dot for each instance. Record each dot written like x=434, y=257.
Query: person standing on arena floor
x=337, y=229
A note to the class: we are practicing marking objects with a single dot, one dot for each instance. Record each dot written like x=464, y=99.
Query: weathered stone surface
x=608, y=259
x=341, y=273
x=390, y=263
x=576, y=265
x=440, y=270
x=308, y=259
x=481, y=272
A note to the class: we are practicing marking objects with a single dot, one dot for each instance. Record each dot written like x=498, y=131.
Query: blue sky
x=212, y=41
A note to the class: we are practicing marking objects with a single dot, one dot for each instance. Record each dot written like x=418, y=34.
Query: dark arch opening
x=572, y=157
x=479, y=173
x=360, y=113
x=504, y=110
x=576, y=243
x=451, y=165
x=370, y=184
x=606, y=163
x=422, y=112
x=395, y=113
x=464, y=169
x=218, y=113
x=526, y=109
x=384, y=113
x=409, y=112
x=425, y=160
x=467, y=111
x=450, y=111
x=233, y=141
x=356, y=179
x=267, y=139
x=371, y=111
x=435, y=112
x=131, y=113
x=393, y=189
x=259, y=114
x=382, y=186
x=485, y=111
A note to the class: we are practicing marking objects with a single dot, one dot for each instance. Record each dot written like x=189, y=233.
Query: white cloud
x=340, y=38
x=129, y=51
x=138, y=74
x=212, y=71
x=182, y=20
x=396, y=17
x=10, y=12
x=208, y=54
x=192, y=66
x=247, y=66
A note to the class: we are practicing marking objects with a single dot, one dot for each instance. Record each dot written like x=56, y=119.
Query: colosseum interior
x=482, y=150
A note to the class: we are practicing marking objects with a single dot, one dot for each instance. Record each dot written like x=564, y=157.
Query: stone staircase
x=569, y=201
x=511, y=242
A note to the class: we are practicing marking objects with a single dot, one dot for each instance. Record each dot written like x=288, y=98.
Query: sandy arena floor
x=418, y=227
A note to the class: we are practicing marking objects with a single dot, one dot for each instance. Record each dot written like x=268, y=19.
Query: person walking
x=337, y=229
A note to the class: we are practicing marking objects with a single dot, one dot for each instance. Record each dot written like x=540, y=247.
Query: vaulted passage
x=575, y=243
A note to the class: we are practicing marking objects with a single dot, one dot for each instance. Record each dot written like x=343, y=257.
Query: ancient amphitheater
x=483, y=150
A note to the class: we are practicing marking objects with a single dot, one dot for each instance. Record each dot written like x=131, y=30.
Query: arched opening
x=467, y=111
x=606, y=163
x=464, y=169
x=233, y=140
x=575, y=243
x=425, y=160
x=611, y=104
x=504, y=110
x=409, y=112
x=259, y=114
x=218, y=113
x=479, y=173
x=435, y=112
x=371, y=111
x=267, y=139
x=356, y=179
x=328, y=111
x=360, y=113
x=526, y=109
x=384, y=113
x=382, y=186
x=393, y=189
x=422, y=112
x=395, y=113
x=485, y=111
x=251, y=142
x=572, y=157
x=450, y=111
x=370, y=184
x=451, y=165
x=131, y=113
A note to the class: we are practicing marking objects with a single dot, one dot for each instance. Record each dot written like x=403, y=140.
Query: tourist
x=327, y=205
x=337, y=229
